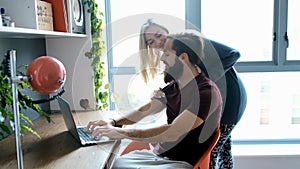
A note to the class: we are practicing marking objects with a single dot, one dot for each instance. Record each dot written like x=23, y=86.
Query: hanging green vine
x=95, y=54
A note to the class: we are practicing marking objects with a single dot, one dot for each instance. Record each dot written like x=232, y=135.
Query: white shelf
x=11, y=32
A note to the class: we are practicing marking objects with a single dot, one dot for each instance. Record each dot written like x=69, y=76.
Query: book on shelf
x=68, y=10
x=44, y=15
x=59, y=13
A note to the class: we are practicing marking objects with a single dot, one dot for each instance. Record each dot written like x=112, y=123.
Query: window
x=244, y=25
x=293, y=52
x=124, y=21
x=266, y=34
x=127, y=19
x=268, y=66
x=272, y=111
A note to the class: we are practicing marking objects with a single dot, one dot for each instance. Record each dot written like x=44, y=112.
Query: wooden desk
x=57, y=148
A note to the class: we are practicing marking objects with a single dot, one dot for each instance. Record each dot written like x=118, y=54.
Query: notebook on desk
x=78, y=132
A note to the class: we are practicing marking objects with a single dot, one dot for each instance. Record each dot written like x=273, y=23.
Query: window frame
x=279, y=61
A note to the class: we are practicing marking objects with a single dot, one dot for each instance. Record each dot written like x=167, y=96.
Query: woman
x=148, y=45
x=153, y=37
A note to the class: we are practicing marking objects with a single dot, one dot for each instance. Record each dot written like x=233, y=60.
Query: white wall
x=71, y=52
x=79, y=82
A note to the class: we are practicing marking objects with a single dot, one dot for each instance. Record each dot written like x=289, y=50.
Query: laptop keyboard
x=85, y=136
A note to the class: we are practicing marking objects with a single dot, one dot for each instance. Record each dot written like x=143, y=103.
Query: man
x=193, y=106
x=219, y=67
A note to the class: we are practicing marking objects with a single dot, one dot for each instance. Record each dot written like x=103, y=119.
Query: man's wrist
x=114, y=123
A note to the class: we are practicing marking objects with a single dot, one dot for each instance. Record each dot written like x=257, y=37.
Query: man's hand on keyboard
x=93, y=124
x=110, y=131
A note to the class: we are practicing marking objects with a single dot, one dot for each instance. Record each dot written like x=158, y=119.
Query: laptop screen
x=67, y=115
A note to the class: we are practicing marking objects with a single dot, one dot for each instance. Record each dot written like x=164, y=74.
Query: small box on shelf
x=44, y=15
x=22, y=12
x=5, y=20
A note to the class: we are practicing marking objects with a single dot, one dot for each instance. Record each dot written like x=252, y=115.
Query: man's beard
x=174, y=72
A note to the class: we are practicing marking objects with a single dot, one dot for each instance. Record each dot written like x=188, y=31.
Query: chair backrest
x=204, y=161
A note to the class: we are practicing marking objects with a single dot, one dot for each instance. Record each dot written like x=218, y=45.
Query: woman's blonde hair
x=149, y=57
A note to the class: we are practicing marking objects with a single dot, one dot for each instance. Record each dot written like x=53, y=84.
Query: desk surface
x=57, y=148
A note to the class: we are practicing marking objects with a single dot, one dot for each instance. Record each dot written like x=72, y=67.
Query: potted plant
x=6, y=103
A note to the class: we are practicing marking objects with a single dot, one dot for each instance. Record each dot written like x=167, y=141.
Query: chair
x=203, y=162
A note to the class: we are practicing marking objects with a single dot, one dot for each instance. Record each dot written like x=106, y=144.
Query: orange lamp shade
x=48, y=74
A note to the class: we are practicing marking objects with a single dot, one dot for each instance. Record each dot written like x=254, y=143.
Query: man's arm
x=153, y=107
x=185, y=122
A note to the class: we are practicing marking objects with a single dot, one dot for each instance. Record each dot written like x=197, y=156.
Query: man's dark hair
x=190, y=43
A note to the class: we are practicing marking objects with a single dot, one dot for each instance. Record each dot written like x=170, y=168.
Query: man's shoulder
x=169, y=86
x=203, y=80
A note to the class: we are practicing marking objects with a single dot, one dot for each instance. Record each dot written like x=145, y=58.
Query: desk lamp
x=46, y=75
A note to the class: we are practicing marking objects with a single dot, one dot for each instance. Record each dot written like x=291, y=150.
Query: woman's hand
x=158, y=94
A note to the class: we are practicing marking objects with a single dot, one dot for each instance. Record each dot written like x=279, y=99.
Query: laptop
x=78, y=132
